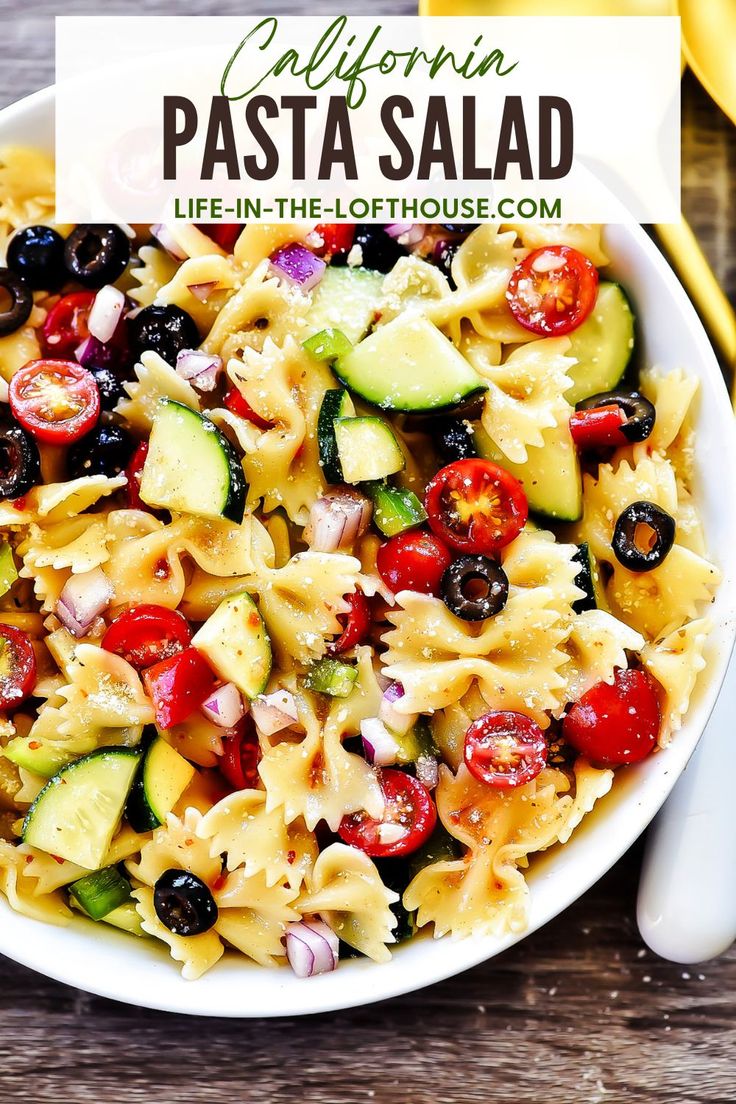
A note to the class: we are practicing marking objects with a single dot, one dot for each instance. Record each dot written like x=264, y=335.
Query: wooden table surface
x=579, y=1013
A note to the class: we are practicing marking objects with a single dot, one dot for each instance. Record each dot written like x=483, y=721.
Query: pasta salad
x=341, y=568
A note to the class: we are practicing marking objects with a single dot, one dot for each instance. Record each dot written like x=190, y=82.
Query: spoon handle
x=687, y=894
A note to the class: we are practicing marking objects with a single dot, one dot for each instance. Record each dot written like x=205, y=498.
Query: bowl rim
x=68, y=954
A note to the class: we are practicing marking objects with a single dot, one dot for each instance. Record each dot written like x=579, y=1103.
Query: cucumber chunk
x=409, y=365
x=602, y=346
x=550, y=476
x=329, y=676
x=190, y=467
x=235, y=641
x=328, y=344
x=335, y=404
x=78, y=811
x=101, y=892
x=395, y=509
x=36, y=756
x=417, y=743
x=8, y=570
x=162, y=778
x=346, y=299
x=125, y=917
x=367, y=449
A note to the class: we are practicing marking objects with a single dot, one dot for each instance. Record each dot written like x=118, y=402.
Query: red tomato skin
x=146, y=634
x=616, y=724
x=337, y=237
x=224, y=234
x=77, y=381
x=178, y=685
x=599, y=427
x=533, y=293
x=65, y=327
x=415, y=560
x=357, y=622
x=471, y=481
x=488, y=733
x=235, y=402
x=241, y=754
x=19, y=682
x=408, y=803
x=133, y=474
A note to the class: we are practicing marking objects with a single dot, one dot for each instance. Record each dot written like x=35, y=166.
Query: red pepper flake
x=29, y=859
x=57, y=859
x=34, y=745
x=254, y=620
x=20, y=503
x=219, y=882
x=291, y=857
x=162, y=568
x=189, y=843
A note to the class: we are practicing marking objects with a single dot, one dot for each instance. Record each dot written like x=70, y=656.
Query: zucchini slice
x=346, y=299
x=588, y=579
x=101, y=892
x=550, y=475
x=329, y=676
x=8, y=570
x=336, y=404
x=395, y=509
x=602, y=346
x=125, y=917
x=191, y=467
x=162, y=778
x=77, y=812
x=409, y=365
x=235, y=641
x=36, y=756
x=367, y=449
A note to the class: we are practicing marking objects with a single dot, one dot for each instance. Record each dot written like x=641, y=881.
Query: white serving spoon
x=686, y=908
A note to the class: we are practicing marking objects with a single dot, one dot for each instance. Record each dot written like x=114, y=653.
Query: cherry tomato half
x=17, y=666
x=134, y=474
x=616, y=723
x=504, y=749
x=553, y=290
x=409, y=818
x=66, y=327
x=598, y=427
x=178, y=685
x=234, y=401
x=241, y=754
x=413, y=561
x=146, y=634
x=225, y=234
x=57, y=401
x=337, y=238
x=356, y=622
x=475, y=506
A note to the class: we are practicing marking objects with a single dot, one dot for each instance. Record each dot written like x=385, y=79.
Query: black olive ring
x=21, y=302
x=20, y=464
x=491, y=596
x=96, y=255
x=626, y=549
x=184, y=903
x=640, y=413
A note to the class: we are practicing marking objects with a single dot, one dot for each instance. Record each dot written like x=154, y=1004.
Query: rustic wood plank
x=580, y=1012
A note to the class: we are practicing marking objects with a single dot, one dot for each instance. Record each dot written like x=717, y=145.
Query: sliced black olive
x=16, y=301
x=456, y=440
x=460, y=227
x=640, y=413
x=20, y=465
x=379, y=250
x=474, y=588
x=443, y=256
x=96, y=255
x=166, y=330
x=643, y=536
x=37, y=254
x=109, y=385
x=105, y=451
x=183, y=903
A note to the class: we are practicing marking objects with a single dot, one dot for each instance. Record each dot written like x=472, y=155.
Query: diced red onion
x=409, y=232
x=298, y=265
x=311, y=948
x=274, y=712
x=428, y=771
x=202, y=291
x=337, y=519
x=379, y=745
x=83, y=598
x=224, y=707
x=389, y=714
x=106, y=312
x=202, y=369
x=93, y=353
x=166, y=239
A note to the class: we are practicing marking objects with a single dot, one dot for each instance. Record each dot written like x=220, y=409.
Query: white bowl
x=111, y=964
